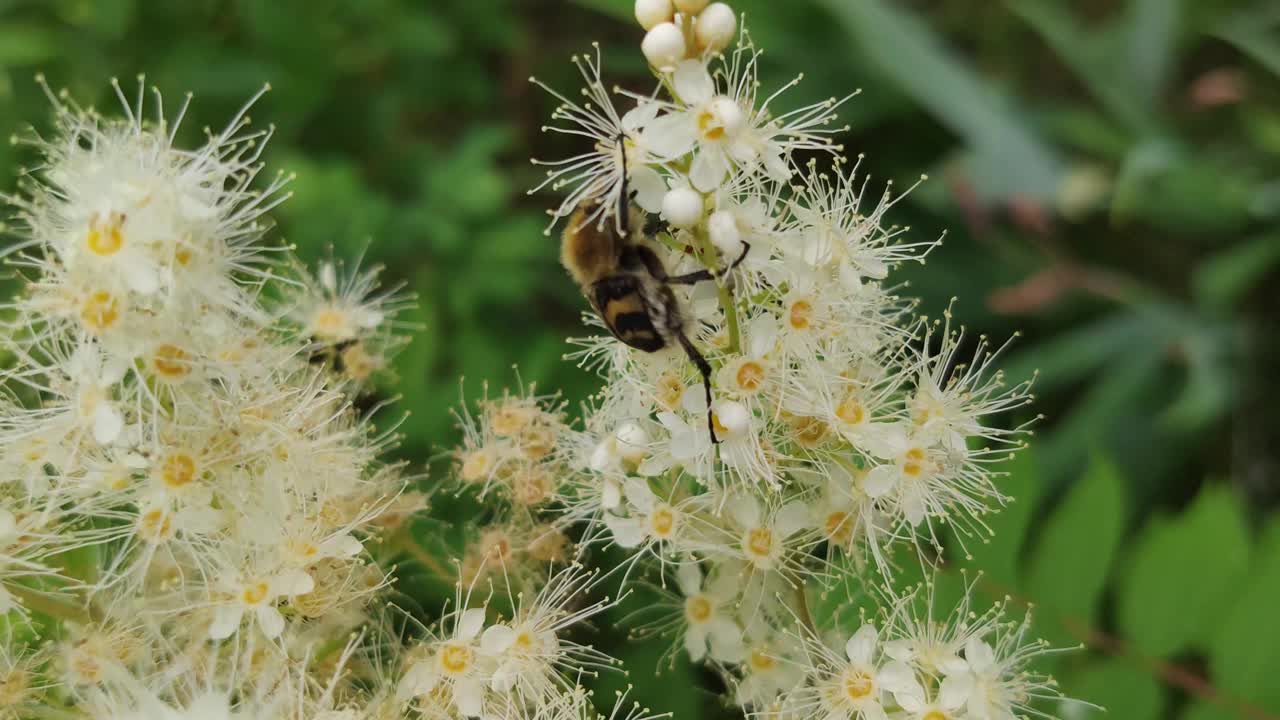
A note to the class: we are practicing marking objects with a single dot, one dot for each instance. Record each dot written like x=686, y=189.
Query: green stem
x=706, y=255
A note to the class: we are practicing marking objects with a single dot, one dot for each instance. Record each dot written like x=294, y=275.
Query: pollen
x=698, y=609
x=750, y=376
x=761, y=661
x=532, y=486
x=476, y=465
x=934, y=715
x=254, y=594
x=105, y=238
x=857, y=685
x=171, y=362
x=800, y=316
x=758, y=542
x=851, y=411
x=455, y=658
x=809, y=431
x=509, y=420
x=707, y=125
x=662, y=520
x=838, y=527
x=100, y=311
x=178, y=469
x=913, y=462
x=155, y=526
x=669, y=391
x=332, y=324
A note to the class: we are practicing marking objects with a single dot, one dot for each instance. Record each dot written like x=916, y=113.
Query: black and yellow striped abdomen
x=621, y=304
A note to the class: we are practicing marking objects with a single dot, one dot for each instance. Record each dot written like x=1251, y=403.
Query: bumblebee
x=627, y=284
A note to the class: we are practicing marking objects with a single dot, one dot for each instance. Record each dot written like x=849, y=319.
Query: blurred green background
x=1108, y=173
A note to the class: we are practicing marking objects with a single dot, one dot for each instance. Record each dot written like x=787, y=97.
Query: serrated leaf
x=1184, y=570
x=1244, y=653
x=1072, y=560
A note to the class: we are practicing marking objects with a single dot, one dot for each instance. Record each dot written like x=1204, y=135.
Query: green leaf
x=1070, y=564
x=22, y=44
x=1253, y=32
x=1092, y=57
x=1222, y=280
x=1007, y=155
x=1152, y=35
x=1244, y=654
x=1120, y=688
x=998, y=556
x=1184, y=571
x=1205, y=710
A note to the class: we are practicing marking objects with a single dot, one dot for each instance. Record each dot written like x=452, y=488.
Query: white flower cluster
x=188, y=490
x=844, y=427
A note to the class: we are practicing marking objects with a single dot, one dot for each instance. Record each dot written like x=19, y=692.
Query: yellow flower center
x=669, y=391
x=761, y=661
x=698, y=609
x=254, y=594
x=177, y=469
x=851, y=411
x=857, y=684
x=759, y=542
x=801, y=315
x=707, y=125
x=508, y=421
x=455, y=658
x=532, y=486
x=105, y=238
x=475, y=466
x=838, y=526
x=750, y=376
x=331, y=323
x=934, y=715
x=913, y=462
x=182, y=256
x=662, y=520
x=171, y=362
x=154, y=525
x=100, y=311
x=809, y=431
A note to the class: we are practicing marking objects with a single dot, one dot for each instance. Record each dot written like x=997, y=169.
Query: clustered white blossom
x=854, y=435
x=197, y=521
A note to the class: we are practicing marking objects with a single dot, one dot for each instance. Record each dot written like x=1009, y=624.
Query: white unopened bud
x=682, y=207
x=715, y=27
x=731, y=417
x=728, y=114
x=692, y=7
x=663, y=46
x=723, y=228
x=651, y=13
x=633, y=443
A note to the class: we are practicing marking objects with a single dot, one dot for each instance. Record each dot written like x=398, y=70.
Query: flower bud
x=728, y=114
x=731, y=417
x=633, y=443
x=651, y=13
x=715, y=27
x=693, y=7
x=663, y=46
x=723, y=228
x=682, y=207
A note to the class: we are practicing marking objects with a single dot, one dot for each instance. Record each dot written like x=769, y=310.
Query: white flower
x=708, y=622
x=258, y=596
x=453, y=663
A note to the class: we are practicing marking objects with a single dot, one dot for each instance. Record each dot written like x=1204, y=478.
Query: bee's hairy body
x=634, y=305
x=628, y=285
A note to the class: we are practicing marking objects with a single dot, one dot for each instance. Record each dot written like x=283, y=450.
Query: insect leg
x=704, y=367
x=700, y=275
